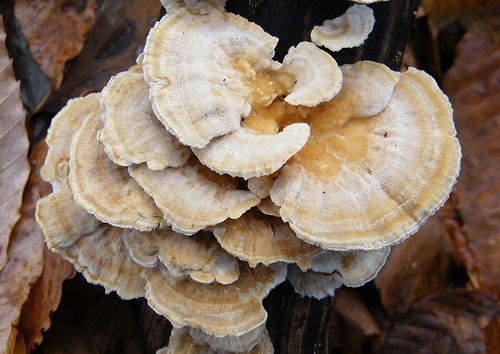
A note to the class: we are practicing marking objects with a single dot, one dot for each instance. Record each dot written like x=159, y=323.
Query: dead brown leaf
x=473, y=86
x=491, y=336
x=450, y=322
x=55, y=31
x=469, y=13
x=117, y=38
x=44, y=298
x=422, y=265
x=14, y=167
x=25, y=257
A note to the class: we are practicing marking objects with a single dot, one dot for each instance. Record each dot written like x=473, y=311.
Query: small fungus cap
x=104, y=189
x=193, y=197
x=131, y=132
x=347, y=31
x=199, y=256
x=220, y=310
x=371, y=182
x=247, y=153
x=62, y=129
x=258, y=238
x=318, y=77
x=190, y=63
x=330, y=270
x=190, y=340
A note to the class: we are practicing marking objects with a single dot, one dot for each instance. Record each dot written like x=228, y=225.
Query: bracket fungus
x=204, y=174
x=346, y=31
x=330, y=270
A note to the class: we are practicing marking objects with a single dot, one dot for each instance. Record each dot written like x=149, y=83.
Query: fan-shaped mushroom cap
x=347, y=31
x=199, y=256
x=312, y=284
x=355, y=267
x=330, y=270
x=61, y=219
x=200, y=70
x=131, y=132
x=191, y=340
x=104, y=189
x=318, y=77
x=103, y=259
x=247, y=153
x=367, y=89
x=193, y=197
x=371, y=182
x=258, y=238
x=62, y=129
x=214, y=308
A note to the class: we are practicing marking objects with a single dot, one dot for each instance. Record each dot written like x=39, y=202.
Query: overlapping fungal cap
x=372, y=180
x=131, y=132
x=103, y=188
x=199, y=256
x=318, y=77
x=258, y=238
x=188, y=340
x=214, y=308
x=247, y=153
x=198, y=68
x=347, y=31
x=193, y=197
x=60, y=218
x=330, y=270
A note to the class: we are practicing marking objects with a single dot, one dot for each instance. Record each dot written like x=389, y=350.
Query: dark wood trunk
x=299, y=324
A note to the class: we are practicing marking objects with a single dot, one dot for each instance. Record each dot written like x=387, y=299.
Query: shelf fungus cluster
x=206, y=174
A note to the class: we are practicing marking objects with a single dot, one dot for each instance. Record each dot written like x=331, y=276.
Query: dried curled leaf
x=55, y=31
x=25, y=259
x=14, y=167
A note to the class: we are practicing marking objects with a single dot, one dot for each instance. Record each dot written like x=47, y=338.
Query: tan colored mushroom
x=199, y=256
x=62, y=129
x=258, y=238
x=200, y=89
x=103, y=259
x=190, y=340
x=131, y=132
x=247, y=153
x=370, y=182
x=347, y=31
x=220, y=310
x=193, y=197
x=330, y=270
x=61, y=220
x=318, y=77
x=104, y=189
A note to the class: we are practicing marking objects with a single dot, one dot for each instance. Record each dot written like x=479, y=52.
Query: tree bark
x=299, y=324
